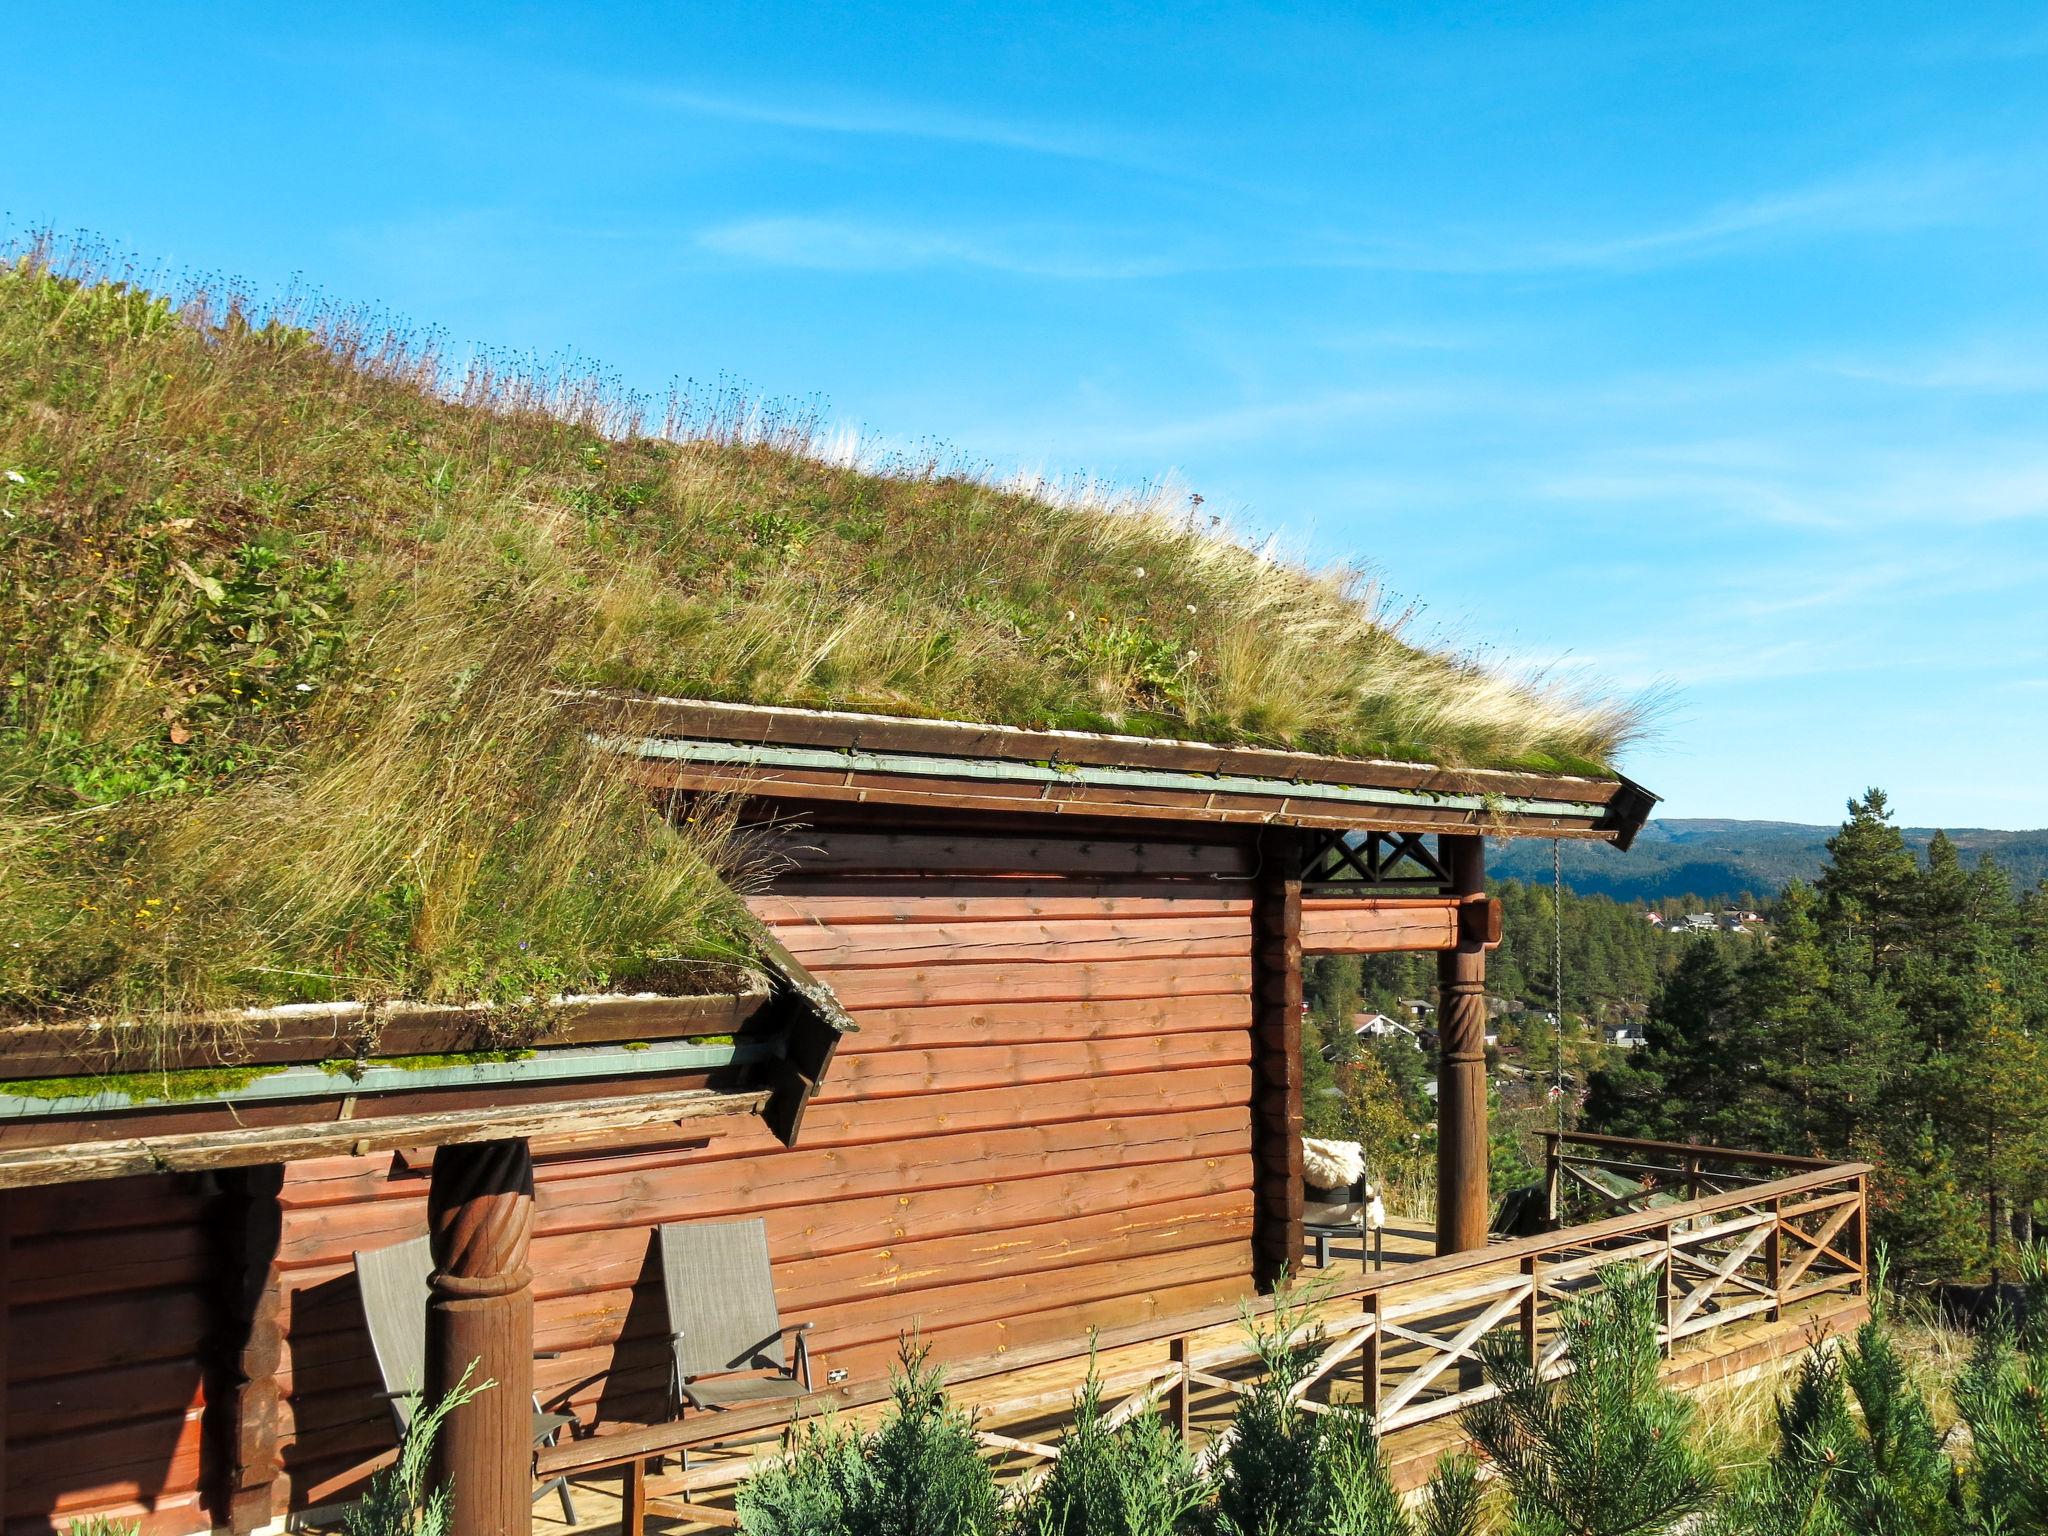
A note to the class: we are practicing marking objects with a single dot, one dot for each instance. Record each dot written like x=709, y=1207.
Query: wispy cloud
x=935, y=123
x=1838, y=485
x=1986, y=369
x=1874, y=201
x=851, y=245
x=886, y=119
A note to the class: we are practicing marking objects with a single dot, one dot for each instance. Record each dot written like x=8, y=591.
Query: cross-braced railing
x=1768, y=1249
x=1748, y=1251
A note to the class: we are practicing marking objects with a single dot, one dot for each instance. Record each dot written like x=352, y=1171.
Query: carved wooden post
x=1276, y=1057
x=480, y=1308
x=1461, y=1194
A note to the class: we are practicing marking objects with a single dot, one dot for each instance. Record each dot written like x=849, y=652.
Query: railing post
x=1529, y=1310
x=1692, y=1177
x=1369, y=1361
x=1177, y=1395
x=1863, y=1230
x=1664, y=1293
x=1553, y=1170
x=1774, y=1256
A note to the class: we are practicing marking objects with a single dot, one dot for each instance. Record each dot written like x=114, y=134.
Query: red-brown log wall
x=107, y=1315
x=1043, y=1123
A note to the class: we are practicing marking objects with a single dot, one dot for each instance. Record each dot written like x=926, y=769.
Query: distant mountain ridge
x=1715, y=858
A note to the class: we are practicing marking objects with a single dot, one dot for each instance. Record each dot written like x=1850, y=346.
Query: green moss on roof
x=179, y=1087
x=281, y=619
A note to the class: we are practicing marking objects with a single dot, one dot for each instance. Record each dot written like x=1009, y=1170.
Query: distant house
x=1654, y=919
x=1417, y=1008
x=1377, y=1026
x=1625, y=1036
x=1700, y=922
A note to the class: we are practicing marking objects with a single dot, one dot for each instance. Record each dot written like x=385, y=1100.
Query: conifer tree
x=1867, y=890
x=1606, y=1449
x=2004, y=1397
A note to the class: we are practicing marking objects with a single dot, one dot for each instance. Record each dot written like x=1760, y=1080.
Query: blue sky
x=1703, y=345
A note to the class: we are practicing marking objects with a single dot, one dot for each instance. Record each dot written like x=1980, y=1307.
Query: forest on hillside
x=1719, y=859
x=1894, y=1011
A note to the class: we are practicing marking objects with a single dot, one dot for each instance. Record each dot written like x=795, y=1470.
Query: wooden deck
x=1754, y=1268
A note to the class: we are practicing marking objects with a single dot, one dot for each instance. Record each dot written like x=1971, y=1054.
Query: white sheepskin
x=1332, y=1164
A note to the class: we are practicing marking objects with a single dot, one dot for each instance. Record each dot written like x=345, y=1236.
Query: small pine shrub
x=399, y=1500
x=927, y=1477
x=919, y=1474
x=1290, y=1471
x=810, y=1491
x=1606, y=1449
x=2003, y=1395
x=1798, y=1492
x=1136, y=1480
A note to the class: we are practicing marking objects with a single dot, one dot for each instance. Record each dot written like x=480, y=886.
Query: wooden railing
x=1765, y=1240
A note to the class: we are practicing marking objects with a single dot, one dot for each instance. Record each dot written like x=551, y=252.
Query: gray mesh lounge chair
x=722, y=1318
x=393, y=1282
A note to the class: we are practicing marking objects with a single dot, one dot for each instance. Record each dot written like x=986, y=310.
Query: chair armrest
x=547, y=1354
x=803, y=1354
x=789, y=1328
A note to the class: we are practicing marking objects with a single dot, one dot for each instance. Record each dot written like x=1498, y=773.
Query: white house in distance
x=1377, y=1026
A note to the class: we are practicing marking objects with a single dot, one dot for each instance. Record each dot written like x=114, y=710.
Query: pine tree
x=1137, y=1480
x=1867, y=891
x=1289, y=1472
x=2003, y=1395
x=1797, y=1492
x=1606, y=1449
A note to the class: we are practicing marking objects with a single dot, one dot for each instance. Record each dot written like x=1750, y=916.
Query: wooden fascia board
x=763, y=725
x=115, y=1156
x=667, y=764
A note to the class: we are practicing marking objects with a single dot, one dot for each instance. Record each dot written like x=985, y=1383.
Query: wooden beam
x=1276, y=1057
x=1353, y=925
x=310, y=1033
x=480, y=1329
x=118, y=1156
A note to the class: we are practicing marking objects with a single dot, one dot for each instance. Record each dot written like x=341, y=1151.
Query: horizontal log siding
x=1042, y=1124
x=107, y=1324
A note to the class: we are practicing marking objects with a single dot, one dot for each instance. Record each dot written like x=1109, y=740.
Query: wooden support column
x=243, y=1403
x=1462, y=1206
x=480, y=1319
x=1276, y=1057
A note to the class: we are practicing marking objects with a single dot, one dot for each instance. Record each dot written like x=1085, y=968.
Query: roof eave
x=836, y=755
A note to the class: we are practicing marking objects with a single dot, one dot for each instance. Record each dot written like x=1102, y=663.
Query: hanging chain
x=1557, y=977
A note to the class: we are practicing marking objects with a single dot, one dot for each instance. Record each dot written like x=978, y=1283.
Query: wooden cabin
x=1023, y=1062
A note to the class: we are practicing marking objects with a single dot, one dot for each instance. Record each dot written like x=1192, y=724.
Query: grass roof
x=282, y=605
